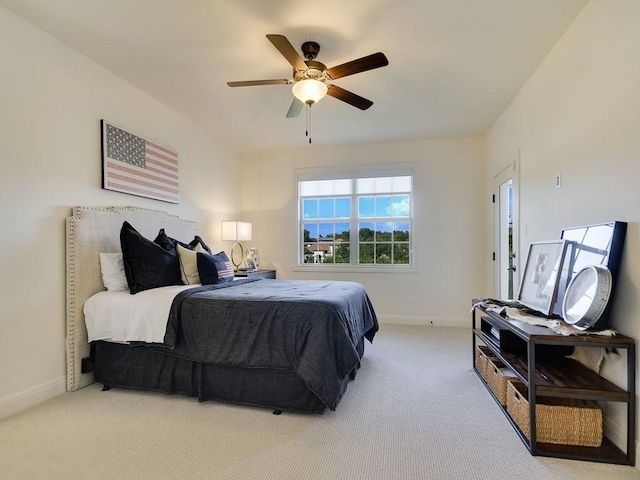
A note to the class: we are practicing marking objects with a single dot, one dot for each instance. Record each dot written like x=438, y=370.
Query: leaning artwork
x=539, y=285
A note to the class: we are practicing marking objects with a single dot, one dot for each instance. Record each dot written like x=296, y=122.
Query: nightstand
x=260, y=273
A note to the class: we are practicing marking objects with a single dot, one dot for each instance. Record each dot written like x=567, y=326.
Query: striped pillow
x=214, y=268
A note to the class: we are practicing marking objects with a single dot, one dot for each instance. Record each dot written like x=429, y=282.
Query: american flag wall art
x=131, y=164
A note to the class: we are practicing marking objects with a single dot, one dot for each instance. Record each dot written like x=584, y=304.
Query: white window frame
x=336, y=173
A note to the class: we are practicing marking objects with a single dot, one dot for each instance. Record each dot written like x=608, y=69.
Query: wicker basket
x=483, y=353
x=496, y=379
x=565, y=421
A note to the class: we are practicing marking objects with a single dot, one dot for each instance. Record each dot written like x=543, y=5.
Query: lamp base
x=233, y=257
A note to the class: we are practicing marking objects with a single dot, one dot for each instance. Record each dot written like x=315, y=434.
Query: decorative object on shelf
x=251, y=264
x=539, y=284
x=133, y=165
x=253, y=251
x=599, y=244
x=236, y=231
x=587, y=296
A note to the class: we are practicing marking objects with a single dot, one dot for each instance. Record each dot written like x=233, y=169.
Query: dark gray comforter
x=312, y=328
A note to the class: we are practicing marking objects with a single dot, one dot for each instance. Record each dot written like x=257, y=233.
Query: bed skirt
x=144, y=368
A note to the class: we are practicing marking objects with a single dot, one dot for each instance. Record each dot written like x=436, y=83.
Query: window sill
x=324, y=268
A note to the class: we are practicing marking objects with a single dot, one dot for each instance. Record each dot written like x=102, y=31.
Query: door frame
x=510, y=171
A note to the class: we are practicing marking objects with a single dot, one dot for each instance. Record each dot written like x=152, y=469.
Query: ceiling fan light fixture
x=309, y=91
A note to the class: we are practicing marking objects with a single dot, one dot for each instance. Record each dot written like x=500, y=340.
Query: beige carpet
x=415, y=411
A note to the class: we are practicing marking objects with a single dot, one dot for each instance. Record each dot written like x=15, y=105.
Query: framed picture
x=250, y=264
x=539, y=284
x=134, y=165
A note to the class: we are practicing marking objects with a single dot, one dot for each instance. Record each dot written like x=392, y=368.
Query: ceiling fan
x=310, y=78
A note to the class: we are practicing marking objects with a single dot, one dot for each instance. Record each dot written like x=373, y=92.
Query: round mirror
x=587, y=296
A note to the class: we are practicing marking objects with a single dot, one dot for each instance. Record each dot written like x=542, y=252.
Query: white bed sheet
x=121, y=317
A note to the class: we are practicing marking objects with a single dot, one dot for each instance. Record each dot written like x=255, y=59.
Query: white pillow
x=113, y=275
x=189, y=263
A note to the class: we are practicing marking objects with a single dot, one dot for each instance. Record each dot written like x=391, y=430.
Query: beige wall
x=449, y=211
x=51, y=103
x=579, y=116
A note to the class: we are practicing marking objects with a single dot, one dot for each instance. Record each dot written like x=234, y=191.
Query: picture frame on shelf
x=541, y=275
x=250, y=263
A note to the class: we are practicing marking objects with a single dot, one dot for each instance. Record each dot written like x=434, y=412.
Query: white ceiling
x=454, y=65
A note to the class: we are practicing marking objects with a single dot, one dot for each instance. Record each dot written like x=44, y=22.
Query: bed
x=284, y=345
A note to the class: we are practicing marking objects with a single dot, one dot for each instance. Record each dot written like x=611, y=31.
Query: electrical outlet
x=409, y=299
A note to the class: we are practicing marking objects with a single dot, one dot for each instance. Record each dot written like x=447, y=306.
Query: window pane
x=401, y=206
x=383, y=206
x=310, y=232
x=343, y=253
x=311, y=253
x=383, y=231
x=309, y=209
x=326, y=231
x=366, y=232
x=343, y=208
x=401, y=231
x=383, y=253
x=401, y=253
x=365, y=207
x=342, y=231
x=325, y=209
x=328, y=257
x=366, y=253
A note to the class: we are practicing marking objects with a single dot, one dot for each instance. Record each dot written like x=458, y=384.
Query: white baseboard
x=32, y=396
x=424, y=321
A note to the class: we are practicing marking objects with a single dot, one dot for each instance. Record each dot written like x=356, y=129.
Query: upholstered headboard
x=91, y=230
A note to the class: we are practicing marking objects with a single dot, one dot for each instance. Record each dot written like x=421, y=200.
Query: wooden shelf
x=552, y=374
x=564, y=377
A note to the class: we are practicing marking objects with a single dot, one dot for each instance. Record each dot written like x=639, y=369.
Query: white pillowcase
x=113, y=276
x=189, y=263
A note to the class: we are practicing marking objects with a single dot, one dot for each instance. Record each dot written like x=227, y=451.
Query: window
x=359, y=219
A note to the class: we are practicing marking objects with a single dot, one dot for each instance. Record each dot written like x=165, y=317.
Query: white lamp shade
x=309, y=90
x=236, y=231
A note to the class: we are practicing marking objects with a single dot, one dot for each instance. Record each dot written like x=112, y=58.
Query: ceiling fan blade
x=349, y=97
x=251, y=83
x=295, y=108
x=286, y=49
x=375, y=60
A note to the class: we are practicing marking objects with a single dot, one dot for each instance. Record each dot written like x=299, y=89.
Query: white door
x=505, y=198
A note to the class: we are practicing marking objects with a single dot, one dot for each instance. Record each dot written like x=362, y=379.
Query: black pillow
x=214, y=268
x=169, y=244
x=146, y=264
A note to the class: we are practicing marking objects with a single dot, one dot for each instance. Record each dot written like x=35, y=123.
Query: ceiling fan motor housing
x=310, y=50
x=315, y=71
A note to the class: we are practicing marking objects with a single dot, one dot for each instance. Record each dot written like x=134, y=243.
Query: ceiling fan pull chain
x=308, y=119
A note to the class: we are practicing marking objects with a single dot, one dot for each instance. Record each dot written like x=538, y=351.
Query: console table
x=536, y=355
